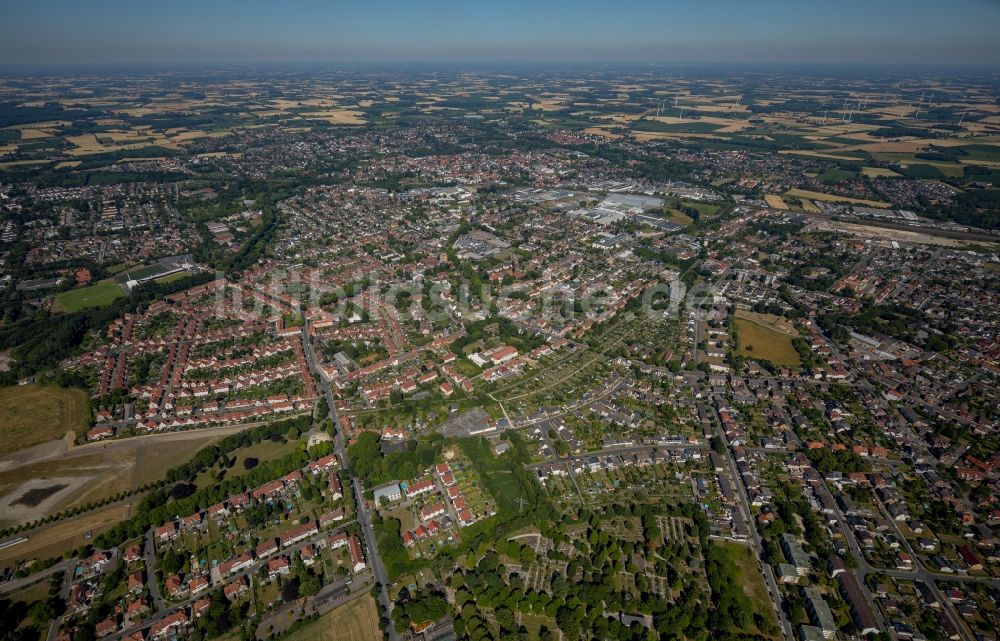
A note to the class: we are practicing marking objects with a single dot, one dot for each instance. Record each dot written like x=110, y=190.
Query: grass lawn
x=743, y=563
x=99, y=294
x=706, y=209
x=834, y=176
x=678, y=217
x=33, y=414
x=833, y=198
x=878, y=172
x=763, y=336
x=153, y=460
x=533, y=622
x=353, y=621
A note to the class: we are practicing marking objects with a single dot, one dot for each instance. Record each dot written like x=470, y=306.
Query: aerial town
x=543, y=355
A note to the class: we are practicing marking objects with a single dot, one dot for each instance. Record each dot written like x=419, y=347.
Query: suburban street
x=364, y=517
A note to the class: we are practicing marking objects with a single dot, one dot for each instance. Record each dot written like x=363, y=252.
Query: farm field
x=775, y=201
x=99, y=294
x=356, y=620
x=766, y=337
x=878, y=172
x=33, y=414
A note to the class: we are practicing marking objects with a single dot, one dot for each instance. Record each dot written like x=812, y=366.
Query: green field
x=695, y=127
x=677, y=217
x=742, y=562
x=33, y=414
x=760, y=337
x=140, y=272
x=534, y=622
x=172, y=277
x=99, y=294
x=706, y=209
x=878, y=172
x=834, y=176
x=834, y=198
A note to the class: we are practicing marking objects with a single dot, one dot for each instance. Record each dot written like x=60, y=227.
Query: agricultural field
x=775, y=201
x=766, y=337
x=34, y=414
x=99, y=294
x=878, y=172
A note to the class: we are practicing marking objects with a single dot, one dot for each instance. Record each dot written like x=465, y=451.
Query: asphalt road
x=364, y=517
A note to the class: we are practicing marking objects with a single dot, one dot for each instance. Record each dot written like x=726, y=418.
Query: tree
x=290, y=590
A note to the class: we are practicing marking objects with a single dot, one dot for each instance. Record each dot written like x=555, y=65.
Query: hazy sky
x=659, y=31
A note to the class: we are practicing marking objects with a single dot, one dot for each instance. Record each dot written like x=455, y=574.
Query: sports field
x=353, y=621
x=767, y=337
x=99, y=294
x=33, y=414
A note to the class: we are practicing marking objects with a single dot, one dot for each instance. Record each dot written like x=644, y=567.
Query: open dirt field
x=899, y=235
x=33, y=414
x=353, y=621
x=37, y=496
x=92, y=473
x=65, y=535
